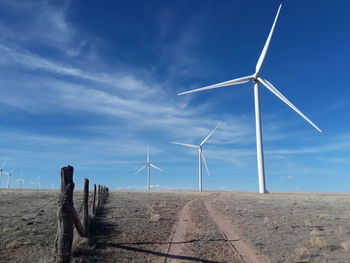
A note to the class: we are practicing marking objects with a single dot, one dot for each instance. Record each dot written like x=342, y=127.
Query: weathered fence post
x=86, y=206
x=93, y=203
x=64, y=238
x=99, y=196
x=104, y=194
x=78, y=224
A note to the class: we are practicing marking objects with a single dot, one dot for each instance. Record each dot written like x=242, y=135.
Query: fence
x=67, y=216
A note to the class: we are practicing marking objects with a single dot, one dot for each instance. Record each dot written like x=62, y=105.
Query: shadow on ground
x=101, y=246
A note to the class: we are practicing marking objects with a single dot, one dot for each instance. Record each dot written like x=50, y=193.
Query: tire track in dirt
x=244, y=250
x=181, y=227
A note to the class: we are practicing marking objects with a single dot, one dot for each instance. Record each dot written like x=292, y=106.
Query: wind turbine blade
x=155, y=167
x=205, y=162
x=222, y=84
x=12, y=170
x=285, y=100
x=264, y=51
x=139, y=170
x=185, y=144
x=210, y=134
x=3, y=164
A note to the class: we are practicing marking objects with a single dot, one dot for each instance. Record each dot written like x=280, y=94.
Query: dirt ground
x=292, y=227
x=181, y=226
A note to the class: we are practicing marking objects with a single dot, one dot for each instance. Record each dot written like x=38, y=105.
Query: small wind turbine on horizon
x=200, y=157
x=9, y=175
x=2, y=170
x=258, y=80
x=148, y=165
x=36, y=182
x=20, y=181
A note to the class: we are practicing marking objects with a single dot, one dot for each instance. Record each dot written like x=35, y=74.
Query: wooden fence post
x=86, y=206
x=104, y=194
x=93, y=203
x=99, y=196
x=64, y=238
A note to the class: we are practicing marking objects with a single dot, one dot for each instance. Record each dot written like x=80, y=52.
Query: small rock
x=155, y=217
x=266, y=220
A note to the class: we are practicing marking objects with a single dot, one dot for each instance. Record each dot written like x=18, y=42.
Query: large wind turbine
x=259, y=80
x=200, y=157
x=2, y=170
x=148, y=165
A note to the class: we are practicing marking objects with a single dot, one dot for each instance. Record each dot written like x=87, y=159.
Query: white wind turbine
x=2, y=170
x=200, y=157
x=148, y=165
x=258, y=80
x=9, y=174
x=36, y=182
x=20, y=181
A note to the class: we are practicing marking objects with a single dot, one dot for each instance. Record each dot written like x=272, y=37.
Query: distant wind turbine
x=200, y=157
x=148, y=165
x=9, y=174
x=20, y=181
x=258, y=80
x=1, y=170
x=36, y=182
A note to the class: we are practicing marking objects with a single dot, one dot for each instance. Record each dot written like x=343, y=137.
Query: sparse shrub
x=301, y=252
x=342, y=229
x=323, y=216
x=314, y=232
x=319, y=242
x=346, y=245
x=307, y=222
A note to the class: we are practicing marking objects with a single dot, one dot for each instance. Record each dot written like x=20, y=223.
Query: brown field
x=175, y=226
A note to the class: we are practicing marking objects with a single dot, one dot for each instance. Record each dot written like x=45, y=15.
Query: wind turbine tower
x=2, y=171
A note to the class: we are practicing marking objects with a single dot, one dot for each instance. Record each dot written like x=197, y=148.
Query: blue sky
x=92, y=85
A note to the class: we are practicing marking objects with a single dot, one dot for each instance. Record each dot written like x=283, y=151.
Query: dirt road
x=224, y=239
